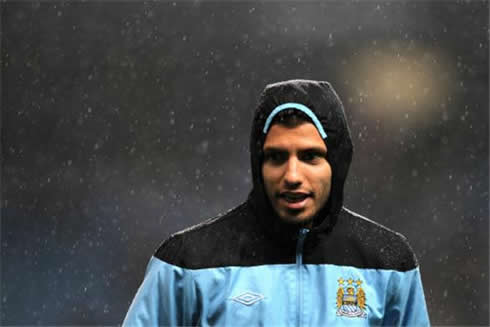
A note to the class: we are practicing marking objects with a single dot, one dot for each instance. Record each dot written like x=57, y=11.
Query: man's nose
x=292, y=176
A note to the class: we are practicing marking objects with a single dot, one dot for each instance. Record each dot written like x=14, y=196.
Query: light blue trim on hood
x=300, y=107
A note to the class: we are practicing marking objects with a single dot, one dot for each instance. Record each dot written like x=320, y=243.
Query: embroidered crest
x=351, y=299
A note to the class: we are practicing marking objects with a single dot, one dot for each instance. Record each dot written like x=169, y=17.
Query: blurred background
x=124, y=122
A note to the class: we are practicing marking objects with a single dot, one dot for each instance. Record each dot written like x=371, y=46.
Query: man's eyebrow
x=317, y=149
x=314, y=149
x=274, y=149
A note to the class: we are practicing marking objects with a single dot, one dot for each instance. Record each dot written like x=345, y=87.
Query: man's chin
x=299, y=219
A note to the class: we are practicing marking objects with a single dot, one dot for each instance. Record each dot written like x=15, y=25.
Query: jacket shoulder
x=382, y=247
x=195, y=246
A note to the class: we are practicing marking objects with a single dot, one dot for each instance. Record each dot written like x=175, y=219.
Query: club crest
x=351, y=299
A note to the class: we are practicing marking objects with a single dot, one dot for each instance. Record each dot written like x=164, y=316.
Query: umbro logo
x=248, y=298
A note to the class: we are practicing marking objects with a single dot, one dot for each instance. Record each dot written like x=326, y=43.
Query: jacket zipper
x=299, y=270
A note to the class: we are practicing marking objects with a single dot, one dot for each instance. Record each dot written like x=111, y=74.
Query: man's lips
x=294, y=200
x=294, y=196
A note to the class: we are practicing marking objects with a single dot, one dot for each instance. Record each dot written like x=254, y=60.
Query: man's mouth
x=294, y=197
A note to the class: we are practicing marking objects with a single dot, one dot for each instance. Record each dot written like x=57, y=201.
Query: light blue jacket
x=277, y=295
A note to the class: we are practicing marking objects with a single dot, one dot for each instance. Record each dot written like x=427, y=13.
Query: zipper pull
x=302, y=233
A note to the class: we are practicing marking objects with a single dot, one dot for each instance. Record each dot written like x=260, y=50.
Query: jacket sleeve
x=407, y=307
x=165, y=298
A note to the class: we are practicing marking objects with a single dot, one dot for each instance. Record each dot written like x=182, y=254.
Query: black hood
x=325, y=104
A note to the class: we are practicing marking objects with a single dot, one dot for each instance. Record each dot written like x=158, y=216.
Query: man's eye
x=311, y=156
x=275, y=157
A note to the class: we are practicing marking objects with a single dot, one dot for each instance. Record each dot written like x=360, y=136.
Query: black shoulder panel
x=359, y=242
x=234, y=239
x=239, y=239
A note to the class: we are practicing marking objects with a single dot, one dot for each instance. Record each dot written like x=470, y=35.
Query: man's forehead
x=304, y=134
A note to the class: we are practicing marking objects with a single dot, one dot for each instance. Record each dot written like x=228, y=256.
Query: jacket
x=248, y=268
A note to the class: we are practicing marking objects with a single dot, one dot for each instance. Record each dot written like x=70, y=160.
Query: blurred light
x=399, y=81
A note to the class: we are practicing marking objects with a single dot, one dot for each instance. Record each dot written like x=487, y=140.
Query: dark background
x=123, y=122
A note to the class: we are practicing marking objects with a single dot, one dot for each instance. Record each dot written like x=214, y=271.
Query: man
x=291, y=254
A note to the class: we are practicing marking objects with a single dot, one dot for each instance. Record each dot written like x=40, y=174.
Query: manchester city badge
x=351, y=299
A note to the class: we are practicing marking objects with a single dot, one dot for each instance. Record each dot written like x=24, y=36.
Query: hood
x=324, y=105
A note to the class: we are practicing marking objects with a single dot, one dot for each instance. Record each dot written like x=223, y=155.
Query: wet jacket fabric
x=248, y=268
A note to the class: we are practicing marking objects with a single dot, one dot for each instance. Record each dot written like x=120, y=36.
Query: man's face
x=296, y=173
